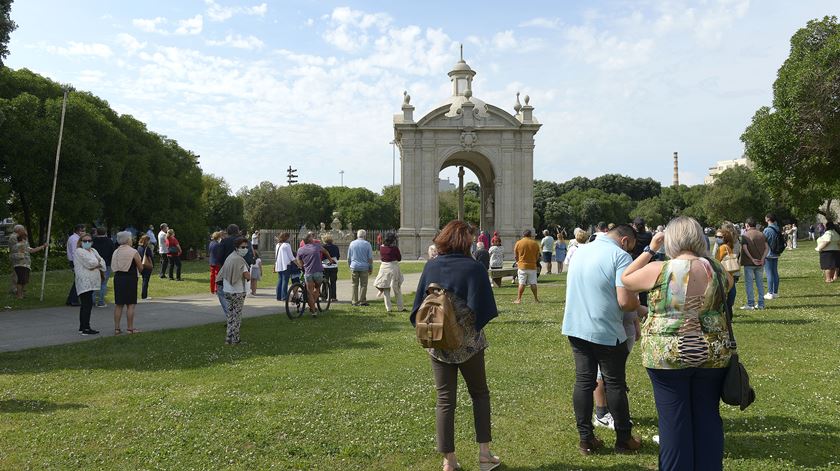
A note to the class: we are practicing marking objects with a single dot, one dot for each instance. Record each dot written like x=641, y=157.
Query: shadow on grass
x=35, y=406
x=774, y=321
x=203, y=346
x=588, y=467
x=802, y=444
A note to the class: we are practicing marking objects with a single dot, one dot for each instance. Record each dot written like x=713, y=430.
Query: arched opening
x=467, y=190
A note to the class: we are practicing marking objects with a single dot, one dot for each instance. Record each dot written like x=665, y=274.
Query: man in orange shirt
x=527, y=254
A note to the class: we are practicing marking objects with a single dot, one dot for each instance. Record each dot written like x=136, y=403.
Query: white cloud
x=309, y=22
x=192, y=25
x=348, y=28
x=504, y=40
x=238, y=41
x=149, y=25
x=91, y=77
x=218, y=13
x=129, y=43
x=607, y=51
x=541, y=22
x=74, y=48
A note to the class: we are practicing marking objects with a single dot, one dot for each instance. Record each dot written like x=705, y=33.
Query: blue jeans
x=771, y=268
x=99, y=296
x=753, y=275
x=690, y=428
x=283, y=284
x=220, y=293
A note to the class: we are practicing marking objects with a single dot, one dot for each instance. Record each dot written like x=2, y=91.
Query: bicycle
x=297, y=297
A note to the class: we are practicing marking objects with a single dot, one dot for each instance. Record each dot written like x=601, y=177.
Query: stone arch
x=483, y=168
x=465, y=131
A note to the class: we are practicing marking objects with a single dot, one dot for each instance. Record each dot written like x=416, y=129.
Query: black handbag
x=736, y=389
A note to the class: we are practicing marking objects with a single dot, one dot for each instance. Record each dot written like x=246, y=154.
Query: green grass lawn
x=353, y=390
x=196, y=276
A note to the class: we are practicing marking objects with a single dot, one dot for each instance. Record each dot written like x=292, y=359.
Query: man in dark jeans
x=595, y=305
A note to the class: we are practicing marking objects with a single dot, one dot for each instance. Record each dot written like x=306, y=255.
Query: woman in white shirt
x=283, y=257
x=89, y=269
x=497, y=253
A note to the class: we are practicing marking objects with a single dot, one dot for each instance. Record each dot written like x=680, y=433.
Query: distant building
x=445, y=185
x=725, y=165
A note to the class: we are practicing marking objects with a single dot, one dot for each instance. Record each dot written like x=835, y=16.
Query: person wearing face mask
x=234, y=275
x=596, y=302
x=89, y=268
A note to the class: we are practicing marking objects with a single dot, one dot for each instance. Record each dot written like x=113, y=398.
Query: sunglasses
x=87, y=240
x=244, y=247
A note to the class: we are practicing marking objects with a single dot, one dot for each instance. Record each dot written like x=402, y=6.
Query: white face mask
x=242, y=252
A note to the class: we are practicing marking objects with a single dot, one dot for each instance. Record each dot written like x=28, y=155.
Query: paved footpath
x=31, y=328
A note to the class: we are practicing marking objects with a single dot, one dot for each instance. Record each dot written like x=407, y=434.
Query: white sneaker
x=768, y=296
x=746, y=308
x=605, y=421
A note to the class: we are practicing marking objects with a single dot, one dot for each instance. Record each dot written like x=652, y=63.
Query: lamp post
x=393, y=162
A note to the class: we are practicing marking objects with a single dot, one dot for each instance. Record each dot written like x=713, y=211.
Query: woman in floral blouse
x=684, y=344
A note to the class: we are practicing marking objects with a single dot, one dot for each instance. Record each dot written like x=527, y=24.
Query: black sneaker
x=90, y=332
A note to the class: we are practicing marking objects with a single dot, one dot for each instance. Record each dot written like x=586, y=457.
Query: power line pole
x=52, y=198
x=291, y=176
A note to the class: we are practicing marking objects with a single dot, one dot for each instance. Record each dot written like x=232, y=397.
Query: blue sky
x=254, y=87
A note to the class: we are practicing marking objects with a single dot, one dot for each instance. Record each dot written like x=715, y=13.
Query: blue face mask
x=719, y=240
x=87, y=245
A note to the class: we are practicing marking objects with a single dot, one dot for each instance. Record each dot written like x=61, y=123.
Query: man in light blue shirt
x=595, y=305
x=360, y=258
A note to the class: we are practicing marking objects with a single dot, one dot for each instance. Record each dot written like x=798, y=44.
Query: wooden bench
x=498, y=273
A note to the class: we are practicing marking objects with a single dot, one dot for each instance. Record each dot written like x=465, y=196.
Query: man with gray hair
x=360, y=259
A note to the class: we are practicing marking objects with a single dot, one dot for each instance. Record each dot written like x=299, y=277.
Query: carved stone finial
x=527, y=100
x=406, y=97
x=462, y=52
x=517, y=106
x=468, y=94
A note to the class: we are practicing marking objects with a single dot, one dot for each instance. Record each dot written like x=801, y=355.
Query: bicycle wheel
x=324, y=301
x=296, y=301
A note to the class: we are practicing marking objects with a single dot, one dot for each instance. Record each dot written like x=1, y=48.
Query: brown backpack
x=435, y=322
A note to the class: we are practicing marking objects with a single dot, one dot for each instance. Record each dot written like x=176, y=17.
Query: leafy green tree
x=636, y=188
x=795, y=145
x=390, y=203
x=543, y=192
x=311, y=203
x=268, y=206
x=654, y=211
x=219, y=205
x=6, y=28
x=448, y=208
x=559, y=213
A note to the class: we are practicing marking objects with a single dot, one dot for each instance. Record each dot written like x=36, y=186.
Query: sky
x=254, y=87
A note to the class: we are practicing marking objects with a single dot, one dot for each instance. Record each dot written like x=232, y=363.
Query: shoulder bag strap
x=733, y=345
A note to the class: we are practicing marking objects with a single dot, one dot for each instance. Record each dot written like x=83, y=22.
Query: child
x=256, y=273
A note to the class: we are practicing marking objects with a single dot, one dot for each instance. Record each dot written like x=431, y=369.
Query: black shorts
x=22, y=274
x=829, y=259
x=546, y=257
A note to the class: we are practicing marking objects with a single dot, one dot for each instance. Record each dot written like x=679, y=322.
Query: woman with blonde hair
x=725, y=240
x=581, y=237
x=685, y=343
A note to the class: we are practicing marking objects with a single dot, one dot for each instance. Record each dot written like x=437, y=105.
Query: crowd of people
x=669, y=289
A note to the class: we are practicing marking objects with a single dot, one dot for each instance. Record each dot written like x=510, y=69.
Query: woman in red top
x=173, y=251
x=390, y=278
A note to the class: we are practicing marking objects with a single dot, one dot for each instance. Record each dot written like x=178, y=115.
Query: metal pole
x=461, y=193
x=342, y=177
x=393, y=162
x=52, y=198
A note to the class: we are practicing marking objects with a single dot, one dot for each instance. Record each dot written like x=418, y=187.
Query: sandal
x=447, y=466
x=488, y=462
x=133, y=331
x=117, y=331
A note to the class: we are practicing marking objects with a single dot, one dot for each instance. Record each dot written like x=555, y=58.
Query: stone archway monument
x=466, y=132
